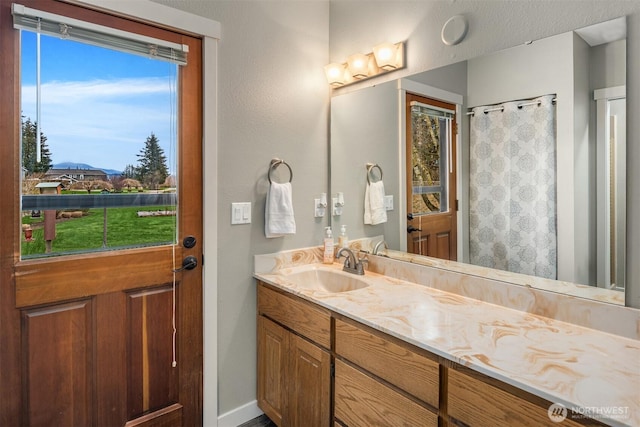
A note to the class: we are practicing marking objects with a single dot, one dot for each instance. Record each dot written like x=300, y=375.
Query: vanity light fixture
x=387, y=56
x=384, y=58
x=358, y=65
x=335, y=74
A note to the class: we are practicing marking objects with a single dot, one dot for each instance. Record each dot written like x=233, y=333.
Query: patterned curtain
x=512, y=189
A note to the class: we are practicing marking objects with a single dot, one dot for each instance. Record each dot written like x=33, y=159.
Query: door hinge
x=457, y=207
x=202, y=263
x=333, y=370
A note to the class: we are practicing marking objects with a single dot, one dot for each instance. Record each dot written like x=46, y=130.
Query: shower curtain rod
x=501, y=108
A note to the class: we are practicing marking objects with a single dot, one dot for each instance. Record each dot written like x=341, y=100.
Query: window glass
x=429, y=160
x=104, y=176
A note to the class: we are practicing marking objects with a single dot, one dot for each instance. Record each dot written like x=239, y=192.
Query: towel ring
x=370, y=167
x=274, y=165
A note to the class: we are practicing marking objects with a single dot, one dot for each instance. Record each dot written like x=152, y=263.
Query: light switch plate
x=241, y=213
x=388, y=202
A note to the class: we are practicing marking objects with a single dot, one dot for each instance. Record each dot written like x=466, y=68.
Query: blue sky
x=98, y=105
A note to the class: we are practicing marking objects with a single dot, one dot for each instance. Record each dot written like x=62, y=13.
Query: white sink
x=326, y=279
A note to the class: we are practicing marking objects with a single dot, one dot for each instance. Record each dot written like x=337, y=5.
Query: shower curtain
x=512, y=188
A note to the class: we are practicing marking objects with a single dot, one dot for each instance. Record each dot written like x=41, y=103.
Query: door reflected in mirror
x=431, y=177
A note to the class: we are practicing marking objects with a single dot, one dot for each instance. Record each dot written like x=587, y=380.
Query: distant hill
x=72, y=165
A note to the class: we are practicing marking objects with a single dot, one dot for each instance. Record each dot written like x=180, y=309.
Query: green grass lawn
x=124, y=229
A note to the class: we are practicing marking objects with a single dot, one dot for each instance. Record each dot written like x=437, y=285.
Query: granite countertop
x=578, y=367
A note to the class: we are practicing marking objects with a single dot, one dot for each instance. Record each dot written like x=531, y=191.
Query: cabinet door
x=309, y=384
x=272, y=368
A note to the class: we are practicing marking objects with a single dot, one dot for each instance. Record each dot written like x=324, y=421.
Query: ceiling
x=605, y=32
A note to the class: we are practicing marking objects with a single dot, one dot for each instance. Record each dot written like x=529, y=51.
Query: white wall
x=364, y=129
x=604, y=65
x=273, y=102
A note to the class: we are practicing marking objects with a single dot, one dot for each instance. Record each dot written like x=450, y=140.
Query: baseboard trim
x=240, y=415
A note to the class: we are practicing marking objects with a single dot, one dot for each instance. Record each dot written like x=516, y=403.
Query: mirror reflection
x=513, y=161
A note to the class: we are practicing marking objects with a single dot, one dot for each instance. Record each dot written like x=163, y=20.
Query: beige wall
x=273, y=101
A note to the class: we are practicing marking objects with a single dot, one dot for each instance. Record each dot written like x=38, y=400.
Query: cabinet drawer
x=296, y=314
x=361, y=401
x=477, y=403
x=389, y=359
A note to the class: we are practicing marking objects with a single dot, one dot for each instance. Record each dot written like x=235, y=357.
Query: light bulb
x=385, y=54
x=358, y=65
x=335, y=73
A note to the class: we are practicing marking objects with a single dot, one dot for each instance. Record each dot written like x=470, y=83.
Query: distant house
x=49, y=187
x=71, y=176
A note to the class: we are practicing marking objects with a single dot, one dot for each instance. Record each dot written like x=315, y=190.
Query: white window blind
x=431, y=110
x=26, y=18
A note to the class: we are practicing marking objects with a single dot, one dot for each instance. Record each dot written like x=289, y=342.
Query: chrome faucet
x=377, y=247
x=352, y=264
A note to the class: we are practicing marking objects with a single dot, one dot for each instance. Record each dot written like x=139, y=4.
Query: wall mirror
x=582, y=74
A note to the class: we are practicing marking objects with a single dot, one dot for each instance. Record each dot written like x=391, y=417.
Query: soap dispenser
x=327, y=253
x=343, y=240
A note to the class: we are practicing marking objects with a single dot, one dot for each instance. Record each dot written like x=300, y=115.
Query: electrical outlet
x=319, y=209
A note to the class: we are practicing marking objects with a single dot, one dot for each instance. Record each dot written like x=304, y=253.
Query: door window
x=98, y=146
x=430, y=137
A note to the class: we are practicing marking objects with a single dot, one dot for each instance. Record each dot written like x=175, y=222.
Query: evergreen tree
x=29, y=160
x=130, y=172
x=152, y=163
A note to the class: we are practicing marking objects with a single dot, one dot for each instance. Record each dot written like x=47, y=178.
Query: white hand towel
x=278, y=212
x=367, y=205
x=374, y=211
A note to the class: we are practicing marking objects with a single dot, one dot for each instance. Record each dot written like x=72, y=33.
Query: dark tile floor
x=261, y=421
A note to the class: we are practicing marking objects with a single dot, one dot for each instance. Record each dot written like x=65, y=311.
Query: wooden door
x=309, y=384
x=88, y=339
x=273, y=357
x=431, y=177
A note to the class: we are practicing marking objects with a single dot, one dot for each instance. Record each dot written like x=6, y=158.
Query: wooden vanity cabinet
x=382, y=381
x=294, y=373
x=379, y=380
x=480, y=401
